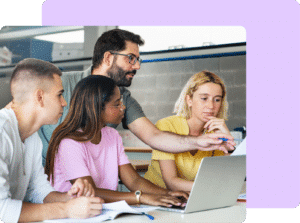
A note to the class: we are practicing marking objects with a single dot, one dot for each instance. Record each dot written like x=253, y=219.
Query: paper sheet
x=242, y=196
x=241, y=149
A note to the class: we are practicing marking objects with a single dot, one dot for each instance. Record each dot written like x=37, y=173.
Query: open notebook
x=110, y=211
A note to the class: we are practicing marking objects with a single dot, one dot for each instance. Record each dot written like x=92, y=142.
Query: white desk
x=236, y=213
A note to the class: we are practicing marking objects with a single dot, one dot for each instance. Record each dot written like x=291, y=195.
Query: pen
x=148, y=215
x=224, y=139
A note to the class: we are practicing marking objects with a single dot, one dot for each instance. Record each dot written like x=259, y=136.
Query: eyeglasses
x=119, y=105
x=132, y=58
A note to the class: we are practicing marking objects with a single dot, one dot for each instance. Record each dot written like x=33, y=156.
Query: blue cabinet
x=29, y=48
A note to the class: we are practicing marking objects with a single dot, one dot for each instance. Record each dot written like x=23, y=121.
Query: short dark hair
x=113, y=40
x=37, y=68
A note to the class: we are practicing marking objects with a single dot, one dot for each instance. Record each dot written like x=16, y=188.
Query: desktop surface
x=235, y=213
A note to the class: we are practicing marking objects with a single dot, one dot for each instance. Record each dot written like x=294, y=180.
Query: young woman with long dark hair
x=82, y=146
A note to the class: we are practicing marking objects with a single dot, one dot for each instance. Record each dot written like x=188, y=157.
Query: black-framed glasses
x=132, y=58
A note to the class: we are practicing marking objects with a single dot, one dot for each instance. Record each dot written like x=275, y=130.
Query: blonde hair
x=182, y=109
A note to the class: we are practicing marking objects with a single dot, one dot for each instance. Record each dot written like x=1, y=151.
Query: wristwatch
x=138, y=193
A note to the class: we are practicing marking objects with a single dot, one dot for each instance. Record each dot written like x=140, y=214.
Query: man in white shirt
x=25, y=193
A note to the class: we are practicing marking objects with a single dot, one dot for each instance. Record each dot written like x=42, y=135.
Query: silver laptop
x=218, y=184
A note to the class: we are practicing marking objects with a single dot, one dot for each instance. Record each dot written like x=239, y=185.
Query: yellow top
x=186, y=163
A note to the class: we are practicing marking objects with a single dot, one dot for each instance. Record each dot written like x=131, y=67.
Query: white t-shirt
x=22, y=176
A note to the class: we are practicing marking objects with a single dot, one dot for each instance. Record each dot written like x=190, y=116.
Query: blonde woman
x=200, y=109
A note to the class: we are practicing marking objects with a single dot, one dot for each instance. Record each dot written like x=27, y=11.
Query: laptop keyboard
x=177, y=207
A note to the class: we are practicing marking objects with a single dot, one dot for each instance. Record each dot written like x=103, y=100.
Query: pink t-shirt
x=79, y=159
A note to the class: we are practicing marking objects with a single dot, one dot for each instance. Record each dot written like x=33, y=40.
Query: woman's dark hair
x=113, y=40
x=87, y=102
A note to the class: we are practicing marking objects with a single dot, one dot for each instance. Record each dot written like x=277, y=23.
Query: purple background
x=272, y=75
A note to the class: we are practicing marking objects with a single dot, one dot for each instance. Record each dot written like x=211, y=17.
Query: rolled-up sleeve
x=10, y=210
x=39, y=187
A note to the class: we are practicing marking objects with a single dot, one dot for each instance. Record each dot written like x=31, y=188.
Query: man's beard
x=119, y=75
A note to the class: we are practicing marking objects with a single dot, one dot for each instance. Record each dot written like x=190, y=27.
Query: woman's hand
x=166, y=200
x=217, y=125
x=81, y=188
x=184, y=195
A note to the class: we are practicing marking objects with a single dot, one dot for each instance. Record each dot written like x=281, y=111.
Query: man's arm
x=146, y=131
x=61, y=205
x=57, y=205
x=82, y=207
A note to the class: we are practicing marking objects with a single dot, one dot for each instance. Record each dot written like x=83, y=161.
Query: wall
x=5, y=96
x=157, y=86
